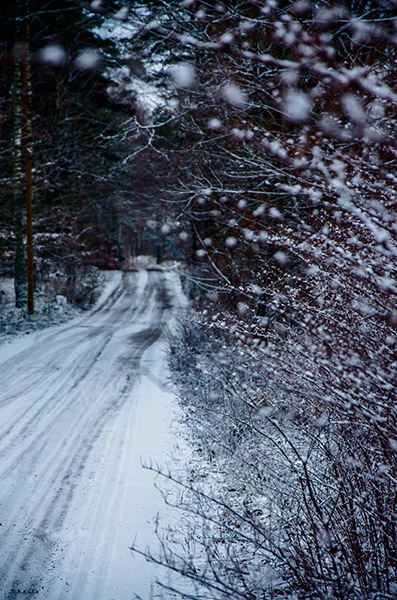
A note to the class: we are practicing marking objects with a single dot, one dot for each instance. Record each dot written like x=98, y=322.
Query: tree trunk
x=27, y=144
x=18, y=192
x=22, y=153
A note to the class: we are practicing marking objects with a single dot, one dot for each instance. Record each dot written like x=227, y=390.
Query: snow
x=82, y=406
x=146, y=94
x=117, y=28
x=215, y=123
x=353, y=108
x=53, y=54
x=232, y=94
x=297, y=106
x=183, y=75
x=14, y=322
x=87, y=59
x=122, y=14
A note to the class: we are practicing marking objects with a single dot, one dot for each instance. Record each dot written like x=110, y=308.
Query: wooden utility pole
x=17, y=185
x=27, y=141
x=22, y=159
x=29, y=231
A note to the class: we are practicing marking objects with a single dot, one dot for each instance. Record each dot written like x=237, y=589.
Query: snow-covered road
x=81, y=406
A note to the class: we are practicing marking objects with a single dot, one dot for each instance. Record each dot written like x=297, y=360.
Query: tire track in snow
x=71, y=343
x=111, y=314
x=49, y=513
x=58, y=397
x=97, y=540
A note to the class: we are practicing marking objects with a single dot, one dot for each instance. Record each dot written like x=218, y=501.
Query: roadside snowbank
x=14, y=322
x=57, y=300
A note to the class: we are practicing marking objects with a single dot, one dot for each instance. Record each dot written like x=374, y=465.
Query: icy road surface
x=81, y=406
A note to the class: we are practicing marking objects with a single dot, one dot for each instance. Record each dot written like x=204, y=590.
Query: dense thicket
x=284, y=155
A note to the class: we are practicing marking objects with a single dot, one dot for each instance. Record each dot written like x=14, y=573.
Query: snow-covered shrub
x=79, y=285
x=300, y=498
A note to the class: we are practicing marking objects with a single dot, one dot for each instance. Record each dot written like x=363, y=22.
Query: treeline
x=55, y=106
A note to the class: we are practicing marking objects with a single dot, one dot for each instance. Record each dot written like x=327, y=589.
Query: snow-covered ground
x=82, y=405
x=14, y=322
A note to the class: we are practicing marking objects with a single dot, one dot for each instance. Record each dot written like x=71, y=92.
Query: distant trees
x=74, y=177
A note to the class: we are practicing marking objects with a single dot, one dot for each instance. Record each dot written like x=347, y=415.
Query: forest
x=253, y=142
